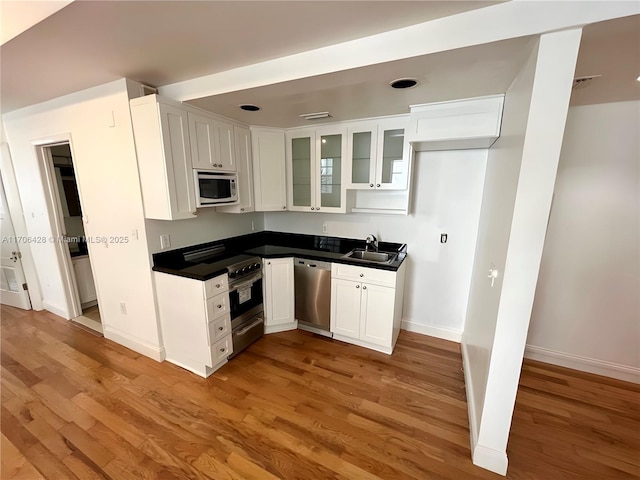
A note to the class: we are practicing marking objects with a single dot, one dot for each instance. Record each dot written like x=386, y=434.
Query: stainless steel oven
x=246, y=303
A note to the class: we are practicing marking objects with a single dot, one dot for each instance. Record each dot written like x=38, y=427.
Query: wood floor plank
x=293, y=406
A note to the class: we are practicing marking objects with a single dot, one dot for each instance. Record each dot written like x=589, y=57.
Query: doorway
x=68, y=208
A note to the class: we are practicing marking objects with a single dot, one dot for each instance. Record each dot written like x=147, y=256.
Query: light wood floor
x=292, y=406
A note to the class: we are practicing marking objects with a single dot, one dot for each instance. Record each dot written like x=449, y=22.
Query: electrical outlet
x=443, y=238
x=123, y=308
x=253, y=227
x=165, y=241
x=324, y=228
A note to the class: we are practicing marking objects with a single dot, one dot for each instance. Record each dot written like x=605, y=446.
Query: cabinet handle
x=378, y=186
x=222, y=350
x=242, y=209
x=357, y=286
x=317, y=209
x=362, y=274
x=219, y=306
x=220, y=328
x=364, y=288
x=371, y=185
x=268, y=263
x=312, y=208
x=284, y=208
x=217, y=285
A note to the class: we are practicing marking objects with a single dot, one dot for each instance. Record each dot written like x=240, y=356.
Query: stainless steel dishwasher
x=313, y=295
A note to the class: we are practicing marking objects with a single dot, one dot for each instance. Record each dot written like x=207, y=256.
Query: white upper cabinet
x=245, y=173
x=315, y=170
x=161, y=134
x=212, y=143
x=378, y=155
x=461, y=124
x=269, y=178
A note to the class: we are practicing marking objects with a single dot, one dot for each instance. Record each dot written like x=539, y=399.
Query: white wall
x=517, y=196
x=98, y=123
x=206, y=227
x=446, y=199
x=586, y=313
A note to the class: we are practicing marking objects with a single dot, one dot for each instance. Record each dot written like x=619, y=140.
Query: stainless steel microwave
x=214, y=188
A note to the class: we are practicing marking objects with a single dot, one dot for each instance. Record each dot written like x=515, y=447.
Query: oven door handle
x=248, y=283
x=248, y=327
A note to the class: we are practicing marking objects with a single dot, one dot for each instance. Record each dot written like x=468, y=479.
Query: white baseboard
x=281, y=328
x=482, y=456
x=438, y=332
x=360, y=343
x=152, y=351
x=58, y=311
x=584, y=364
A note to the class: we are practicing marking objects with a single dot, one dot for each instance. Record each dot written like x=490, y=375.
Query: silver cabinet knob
x=312, y=208
x=222, y=350
x=284, y=208
x=371, y=185
x=378, y=186
x=357, y=286
x=364, y=288
x=362, y=274
x=217, y=285
x=219, y=306
x=318, y=208
x=268, y=263
x=242, y=209
x=220, y=328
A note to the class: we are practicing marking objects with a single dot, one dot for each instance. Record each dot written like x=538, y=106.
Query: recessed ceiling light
x=314, y=116
x=638, y=79
x=249, y=108
x=404, y=83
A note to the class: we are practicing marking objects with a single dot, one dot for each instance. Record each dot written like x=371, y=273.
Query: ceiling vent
x=582, y=82
x=315, y=116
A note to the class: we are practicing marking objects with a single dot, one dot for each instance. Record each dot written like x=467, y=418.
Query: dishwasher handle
x=303, y=262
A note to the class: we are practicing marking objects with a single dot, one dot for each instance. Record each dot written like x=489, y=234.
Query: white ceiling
x=365, y=92
x=88, y=43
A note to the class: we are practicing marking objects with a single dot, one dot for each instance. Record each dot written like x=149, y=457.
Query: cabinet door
x=225, y=146
x=345, y=307
x=245, y=173
x=179, y=174
x=393, y=156
x=330, y=188
x=202, y=133
x=361, y=155
x=301, y=172
x=279, y=293
x=212, y=143
x=269, y=180
x=377, y=307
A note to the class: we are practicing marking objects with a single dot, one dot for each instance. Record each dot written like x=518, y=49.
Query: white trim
x=490, y=459
x=204, y=371
x=284, y=327
x=584, y=364
x=360, y=343
x=89, y=323
x=152, y=351
x=481, y=456
x=433, y=331
x=58, y=311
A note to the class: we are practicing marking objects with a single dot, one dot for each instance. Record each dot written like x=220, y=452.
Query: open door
x=13, y=288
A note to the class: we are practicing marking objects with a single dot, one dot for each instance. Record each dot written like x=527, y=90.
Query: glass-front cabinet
x=315, y=170
x=379, y=159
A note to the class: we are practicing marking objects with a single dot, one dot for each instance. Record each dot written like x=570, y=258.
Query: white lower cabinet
x=366, y=305
x=195, y=321
x=279, y=295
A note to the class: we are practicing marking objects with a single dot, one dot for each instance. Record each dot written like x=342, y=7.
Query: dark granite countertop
x=271, y=245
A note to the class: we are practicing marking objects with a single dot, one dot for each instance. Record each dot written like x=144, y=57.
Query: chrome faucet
x=372, y=243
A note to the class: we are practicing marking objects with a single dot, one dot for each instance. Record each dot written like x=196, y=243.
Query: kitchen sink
x=367, y=256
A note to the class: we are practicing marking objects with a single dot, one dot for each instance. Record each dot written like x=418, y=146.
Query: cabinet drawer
x=362, y=274
x=219, y=328
x=217, y=306
x=221, y=350
x=216, y=285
